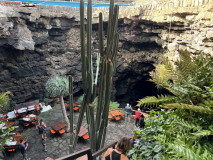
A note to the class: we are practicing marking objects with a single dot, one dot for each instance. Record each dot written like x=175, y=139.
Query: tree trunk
x=66, y=120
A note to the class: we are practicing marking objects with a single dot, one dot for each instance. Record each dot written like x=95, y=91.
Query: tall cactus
x=97, y=125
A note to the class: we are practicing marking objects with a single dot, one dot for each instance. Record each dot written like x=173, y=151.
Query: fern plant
x=190, y=83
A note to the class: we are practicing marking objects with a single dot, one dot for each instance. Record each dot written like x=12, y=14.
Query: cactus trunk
x=97, y=125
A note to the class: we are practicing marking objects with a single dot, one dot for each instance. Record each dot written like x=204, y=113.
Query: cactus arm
x=82, y=34
x=100, y=31
x=80, y=118
x=71, y=112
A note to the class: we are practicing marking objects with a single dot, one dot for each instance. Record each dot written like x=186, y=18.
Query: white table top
x=22, y=110
x=26, y=119
x=11, y=115
x=32, y=115
x=10, y=142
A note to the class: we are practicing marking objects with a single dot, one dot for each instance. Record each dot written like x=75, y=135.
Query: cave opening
x=133, y=84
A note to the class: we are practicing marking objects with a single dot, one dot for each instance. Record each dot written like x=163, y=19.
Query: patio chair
x=122, y=114
x=62, y=131
x=117, y=118
x=86, y=136
x=26, y=124
x=34, y=122
x=16, y=112
x=75, y=108
x=110, y=116
x=52, y=131
x=11, y=150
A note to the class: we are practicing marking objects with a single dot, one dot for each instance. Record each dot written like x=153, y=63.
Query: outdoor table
x=12, y=143
x=29, y=118
x=58, y=126
x=83, y=131
x=115, y=114
x=22, y=110
x=9, y=124
x=11, y=115
x=6, y=125
x=31, y=108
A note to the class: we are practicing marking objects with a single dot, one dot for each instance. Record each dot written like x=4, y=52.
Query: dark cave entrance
x=133, y=83
x=131, y=89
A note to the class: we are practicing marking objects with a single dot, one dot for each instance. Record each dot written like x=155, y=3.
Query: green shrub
x=80, y=99
x=112, y=105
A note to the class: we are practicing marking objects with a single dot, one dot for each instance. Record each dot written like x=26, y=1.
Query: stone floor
x=57, y=146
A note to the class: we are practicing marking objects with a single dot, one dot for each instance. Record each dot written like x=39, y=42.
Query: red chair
x=62, y=131
x=11, y=150
x=86, y=136
x=26, y=124
x=110, y=116
x=122, y=114
x=53, y=131
x=117, y=118
x=37, y=107
x=75, y=108
x=33, y=122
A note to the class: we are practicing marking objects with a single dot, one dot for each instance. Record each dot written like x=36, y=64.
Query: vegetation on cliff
x=186, y=131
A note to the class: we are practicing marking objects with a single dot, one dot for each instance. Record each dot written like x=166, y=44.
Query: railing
x=87, y=152
x=99, y=152
x=78, y=154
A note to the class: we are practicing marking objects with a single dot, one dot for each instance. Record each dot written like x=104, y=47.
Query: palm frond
x=202, y=133
x=185, y=66
x=155, y=101
x=189, y=107
x=187, y=124
x=182, y=150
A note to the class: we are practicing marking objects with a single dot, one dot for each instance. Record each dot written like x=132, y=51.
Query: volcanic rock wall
x=40, y=42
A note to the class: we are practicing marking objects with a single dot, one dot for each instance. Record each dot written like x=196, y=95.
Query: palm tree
x=57, y=87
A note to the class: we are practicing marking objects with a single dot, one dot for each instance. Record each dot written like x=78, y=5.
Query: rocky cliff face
x=38, y=43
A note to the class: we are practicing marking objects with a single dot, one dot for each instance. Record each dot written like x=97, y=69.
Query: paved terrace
x=57, y=146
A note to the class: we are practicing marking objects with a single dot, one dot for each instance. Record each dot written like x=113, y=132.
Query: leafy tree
x=190, y=83
x=4, y=99
x=4, y=132
x=58, y=87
